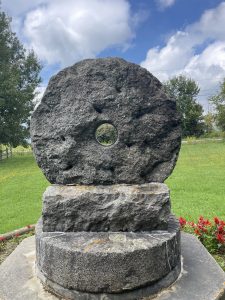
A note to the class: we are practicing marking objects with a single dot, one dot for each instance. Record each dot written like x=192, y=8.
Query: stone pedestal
x=107, y=239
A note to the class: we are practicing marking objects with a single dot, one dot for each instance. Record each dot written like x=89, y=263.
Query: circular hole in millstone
x=106, y=134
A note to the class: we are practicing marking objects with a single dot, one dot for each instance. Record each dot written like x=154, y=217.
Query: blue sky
x=168, y=37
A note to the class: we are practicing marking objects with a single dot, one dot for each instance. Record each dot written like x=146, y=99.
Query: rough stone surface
x=106, y=261
x=94, y=91
x=106, y=208
x=139, y=293
x=201, y=278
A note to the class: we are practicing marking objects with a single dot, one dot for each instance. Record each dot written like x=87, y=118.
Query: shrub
x=211, y=234
x=214, y=134
x=191, y=140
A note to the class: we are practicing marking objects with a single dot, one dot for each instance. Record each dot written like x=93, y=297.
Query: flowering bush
x=211, y=234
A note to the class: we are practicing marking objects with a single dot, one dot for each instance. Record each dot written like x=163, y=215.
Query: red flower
x=220, y=238
x=222, y=223
x=220, y=229
x=217, y=220
x=207, y=223
x=204, y=222
x=182, y=221
x=201, y=228
x=201, y=219
x=2, y=238
x=197, y=232
x=192, y=224
x=28, y=226
x=17, y=234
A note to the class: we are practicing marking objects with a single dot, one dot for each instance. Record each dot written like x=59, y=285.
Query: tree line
x=194, y=122
x=19, y=78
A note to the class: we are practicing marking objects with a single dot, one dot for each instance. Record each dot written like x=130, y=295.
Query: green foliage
x=218, y=102
x=215, y=134
x=209, y=120
x=21, y=149
x=19, y=76
x=184, y=91
x=191, y=139
x=220, y=258
x=220, y=118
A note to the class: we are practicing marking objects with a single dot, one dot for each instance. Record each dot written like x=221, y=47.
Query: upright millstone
x=106, y=136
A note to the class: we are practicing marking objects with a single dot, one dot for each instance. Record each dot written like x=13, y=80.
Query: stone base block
x=201, y=278
x=140, y=293
x=114, y=208
x=108, y=262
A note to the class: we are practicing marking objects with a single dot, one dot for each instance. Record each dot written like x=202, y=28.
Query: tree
x=19, y=77
x=209, y=120
x=218, y=102
x=184, y=91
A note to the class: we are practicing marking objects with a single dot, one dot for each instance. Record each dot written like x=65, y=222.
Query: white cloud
x=39, y=92
x=66, y=31
x=165, y=3
x=197, y=52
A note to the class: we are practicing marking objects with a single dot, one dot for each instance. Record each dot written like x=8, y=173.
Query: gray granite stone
x=108, y=90
x=106, y=208
x=139, y=293
x=201, y=278
x=110, y=262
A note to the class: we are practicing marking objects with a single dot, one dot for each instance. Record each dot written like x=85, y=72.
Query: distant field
x=197, y=186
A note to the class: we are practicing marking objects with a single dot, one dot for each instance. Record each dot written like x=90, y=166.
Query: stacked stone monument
x=106, y=230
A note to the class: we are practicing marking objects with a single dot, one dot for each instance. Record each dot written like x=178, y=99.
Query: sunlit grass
x=198, y=181
x=21, y=188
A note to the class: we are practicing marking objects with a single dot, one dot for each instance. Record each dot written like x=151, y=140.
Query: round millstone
x=79, y=99
x=107, y=262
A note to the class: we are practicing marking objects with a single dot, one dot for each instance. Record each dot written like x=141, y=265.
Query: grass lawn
x=197, y=186
x=198, y=181
x=21, y=187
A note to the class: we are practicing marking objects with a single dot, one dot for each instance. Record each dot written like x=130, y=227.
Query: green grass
x=198, y=181
x=21, y=188
x=197, y=186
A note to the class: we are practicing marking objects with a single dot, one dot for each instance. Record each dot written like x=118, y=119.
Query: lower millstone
x=108, y=262
x=137, y=294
